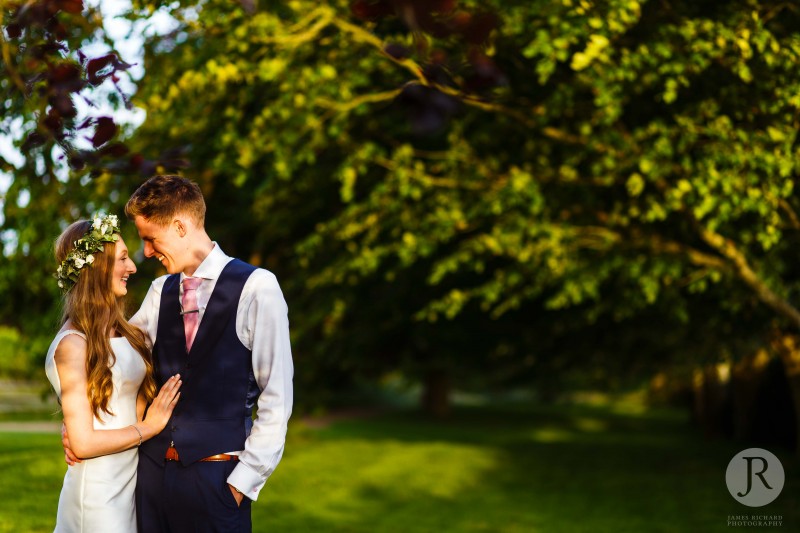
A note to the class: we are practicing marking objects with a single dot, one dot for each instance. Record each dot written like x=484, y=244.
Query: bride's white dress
x=98, y=493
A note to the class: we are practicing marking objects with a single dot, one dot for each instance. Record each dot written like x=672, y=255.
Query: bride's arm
x=84, y=440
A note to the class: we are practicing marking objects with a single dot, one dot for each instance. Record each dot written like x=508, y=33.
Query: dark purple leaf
x=147, y=167
x=59, y=30
x=96, y=66
x=77, y=162
x=249, y=6
x=52, y=121
x=480, y=28
x=114, y=150
x=64, y=72
x=136, y=161
x=105, y=130
x=100, y=68
x=441, y=6
x=44, y=51
x=175, y=152
x=71, y=6
x=371, y=10
x=438, y=57
x=33, y=140
x=422, y=15
x=436, y=72
x=427, y=108
x=486, y=73
x=13, y=31
x=62, y=104
x=397, y=51
x=174, y=164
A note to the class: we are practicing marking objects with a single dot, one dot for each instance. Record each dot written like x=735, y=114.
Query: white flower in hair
x=104, y=229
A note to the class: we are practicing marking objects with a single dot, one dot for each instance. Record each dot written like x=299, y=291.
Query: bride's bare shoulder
x=71, y=349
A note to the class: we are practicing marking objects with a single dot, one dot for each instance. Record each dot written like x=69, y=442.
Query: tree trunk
x=746, y=378
x=436, y=394
x=788, y=348
x=711, y=386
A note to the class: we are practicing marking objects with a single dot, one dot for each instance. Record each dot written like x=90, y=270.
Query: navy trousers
x=172, y=498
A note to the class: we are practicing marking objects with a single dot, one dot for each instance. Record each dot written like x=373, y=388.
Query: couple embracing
x=158, y=410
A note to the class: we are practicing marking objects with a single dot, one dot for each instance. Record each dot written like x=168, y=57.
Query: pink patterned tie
x=191, y=313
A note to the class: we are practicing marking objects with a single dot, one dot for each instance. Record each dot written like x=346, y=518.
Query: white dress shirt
x=262, y=325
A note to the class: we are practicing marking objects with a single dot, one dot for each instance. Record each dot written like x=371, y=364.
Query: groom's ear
x=180, y=227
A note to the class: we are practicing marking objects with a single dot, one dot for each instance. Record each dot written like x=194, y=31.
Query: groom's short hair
x=161, y=198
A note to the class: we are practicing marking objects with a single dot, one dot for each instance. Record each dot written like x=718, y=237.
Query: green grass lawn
x=501, y=469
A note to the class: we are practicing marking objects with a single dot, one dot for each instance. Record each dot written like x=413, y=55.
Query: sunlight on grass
x=520, y=469
x=399, y=465
x=552, y=435
x=32, y=469
x=630, y=403
x=377, y=470
x=590, y=425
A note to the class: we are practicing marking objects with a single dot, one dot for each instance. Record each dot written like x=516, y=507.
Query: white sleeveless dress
x=98, y=494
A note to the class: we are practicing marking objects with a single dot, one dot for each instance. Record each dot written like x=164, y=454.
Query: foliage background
x=535, y=195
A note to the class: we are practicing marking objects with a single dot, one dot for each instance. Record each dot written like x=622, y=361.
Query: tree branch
x=432, y=181
x=525, y=117
x=346, y=107
x=362, y=35
x=741, y=267
x=295, y=36
x=695, y=256
x=794, y=222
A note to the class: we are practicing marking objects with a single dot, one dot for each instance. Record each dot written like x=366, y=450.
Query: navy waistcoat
x=214, y=413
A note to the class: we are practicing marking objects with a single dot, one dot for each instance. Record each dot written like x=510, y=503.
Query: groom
x=222, y=324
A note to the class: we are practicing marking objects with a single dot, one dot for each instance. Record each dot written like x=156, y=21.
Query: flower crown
x=105, y=228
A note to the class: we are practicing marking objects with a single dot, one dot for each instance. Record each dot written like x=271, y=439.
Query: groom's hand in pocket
x=238, y=496
x=69, y=457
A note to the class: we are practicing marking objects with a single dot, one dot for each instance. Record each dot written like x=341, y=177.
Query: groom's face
x=165, y=243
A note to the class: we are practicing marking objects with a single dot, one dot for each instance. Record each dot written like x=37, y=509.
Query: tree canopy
x=466, y=189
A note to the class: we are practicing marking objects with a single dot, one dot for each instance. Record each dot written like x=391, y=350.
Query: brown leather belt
x=172, y=455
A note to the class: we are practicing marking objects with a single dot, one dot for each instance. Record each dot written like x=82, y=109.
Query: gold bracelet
x=139, y=432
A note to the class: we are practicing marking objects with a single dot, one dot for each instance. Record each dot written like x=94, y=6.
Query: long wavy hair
x=96, y=311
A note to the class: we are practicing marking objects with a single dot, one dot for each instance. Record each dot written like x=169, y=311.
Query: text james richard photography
x=755, y=520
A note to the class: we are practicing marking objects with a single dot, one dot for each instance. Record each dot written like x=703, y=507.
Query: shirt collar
x=212, y=265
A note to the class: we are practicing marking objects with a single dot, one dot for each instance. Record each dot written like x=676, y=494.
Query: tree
x=573, y=162
x=597, y=157
x=72, y=160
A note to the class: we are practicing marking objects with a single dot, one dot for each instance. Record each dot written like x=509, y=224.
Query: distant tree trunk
x=746, y=378
x=788, y=348
x=436, y=393
x=711, y=385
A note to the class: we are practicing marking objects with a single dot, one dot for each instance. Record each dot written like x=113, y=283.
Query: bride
x=101, y=369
